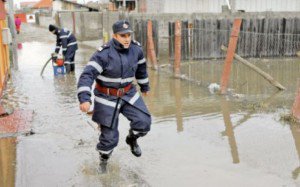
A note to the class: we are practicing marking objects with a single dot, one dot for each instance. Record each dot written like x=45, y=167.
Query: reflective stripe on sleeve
x=83, y=89
x=142, y=61
x=96, y=66
x=142, y=81
x=73, y=43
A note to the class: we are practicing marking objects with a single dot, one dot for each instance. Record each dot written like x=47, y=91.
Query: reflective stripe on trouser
x=140, y=123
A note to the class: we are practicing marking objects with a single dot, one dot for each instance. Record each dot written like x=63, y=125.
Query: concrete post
x=82, y=30
x=232, y=4
x=13, y=33
x=143, y=6
x=177, y=51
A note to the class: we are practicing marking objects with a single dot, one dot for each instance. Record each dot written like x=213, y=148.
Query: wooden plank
x=258, y=70
x=177, y=55
x=230, y=54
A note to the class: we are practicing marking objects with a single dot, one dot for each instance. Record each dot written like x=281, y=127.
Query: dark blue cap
x=121, y=27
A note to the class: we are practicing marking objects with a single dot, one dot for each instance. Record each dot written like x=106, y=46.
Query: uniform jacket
x=114, y=67
x=67, y=40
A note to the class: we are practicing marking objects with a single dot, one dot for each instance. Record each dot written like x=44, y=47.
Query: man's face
x=53, y=31
x=123, y=39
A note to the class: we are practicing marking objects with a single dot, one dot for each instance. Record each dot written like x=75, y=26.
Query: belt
x=113, y=91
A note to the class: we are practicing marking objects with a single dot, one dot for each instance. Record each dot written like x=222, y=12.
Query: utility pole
x=12, y=28
x=124, y=5
x=123, y=10
x=232, y=5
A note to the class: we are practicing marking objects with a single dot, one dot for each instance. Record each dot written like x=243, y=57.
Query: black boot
x=131, y=140
x=103, y=162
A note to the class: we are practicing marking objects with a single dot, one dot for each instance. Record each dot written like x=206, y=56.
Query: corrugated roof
x=43, y=4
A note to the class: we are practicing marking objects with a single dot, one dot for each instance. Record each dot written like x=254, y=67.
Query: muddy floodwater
x=198, y=138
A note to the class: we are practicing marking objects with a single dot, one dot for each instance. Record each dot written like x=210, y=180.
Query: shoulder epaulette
x=104, y=46
x=136, y=42
x=65, y=29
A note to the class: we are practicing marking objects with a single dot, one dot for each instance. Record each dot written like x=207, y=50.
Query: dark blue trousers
x=69, y=60
x=140, y=123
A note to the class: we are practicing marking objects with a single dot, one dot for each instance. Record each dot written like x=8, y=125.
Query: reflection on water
x=295, y=130
x=115, y=176
x=229, y=132
x=244, y=80
x=178, y=105
x=7, y=162
x=248, y=89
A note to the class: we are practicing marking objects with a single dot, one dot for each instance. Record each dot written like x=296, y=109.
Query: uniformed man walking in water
x=68, y=42
x=114, y=67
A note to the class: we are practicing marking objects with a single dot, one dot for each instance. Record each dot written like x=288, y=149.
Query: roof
x=27, y=4
x=80, y=5
x=43, y=4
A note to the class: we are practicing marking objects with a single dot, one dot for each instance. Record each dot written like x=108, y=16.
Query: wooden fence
x=140, y=33
x=266, y=37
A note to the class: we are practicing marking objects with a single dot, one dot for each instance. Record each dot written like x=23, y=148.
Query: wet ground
x=197, y=138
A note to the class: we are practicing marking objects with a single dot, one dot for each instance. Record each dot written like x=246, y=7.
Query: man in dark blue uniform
x=114, y=67
x=66, y=40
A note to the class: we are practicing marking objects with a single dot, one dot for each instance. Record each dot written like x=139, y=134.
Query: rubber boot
x=103, y=162
x=131, y=140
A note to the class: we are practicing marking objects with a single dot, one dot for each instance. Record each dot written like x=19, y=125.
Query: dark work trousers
x=70, y=61
x=140, y=123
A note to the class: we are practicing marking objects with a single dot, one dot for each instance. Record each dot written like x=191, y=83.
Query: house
x=27, y=5
x=61, y=5
x=216, y=6
x=43, y=4
x=131, y=5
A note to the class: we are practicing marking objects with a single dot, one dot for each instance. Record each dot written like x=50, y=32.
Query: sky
x=17, y=2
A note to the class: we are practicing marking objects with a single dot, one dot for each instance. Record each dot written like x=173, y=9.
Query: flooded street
x=197, y=138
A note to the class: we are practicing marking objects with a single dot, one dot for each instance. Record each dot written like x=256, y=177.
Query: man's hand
x=54, y=57
x=145, y=94
x=84, y=107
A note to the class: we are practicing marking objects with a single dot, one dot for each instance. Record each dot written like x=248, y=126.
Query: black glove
x=54, y=57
